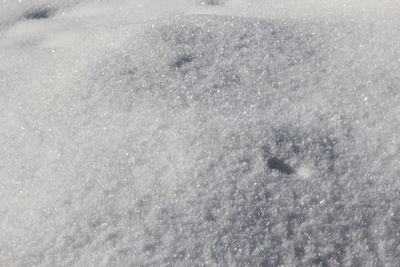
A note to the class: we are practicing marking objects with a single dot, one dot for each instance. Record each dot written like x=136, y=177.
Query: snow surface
x=199, y=133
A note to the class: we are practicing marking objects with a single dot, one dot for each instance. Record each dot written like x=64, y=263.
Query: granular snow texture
x=202, y=140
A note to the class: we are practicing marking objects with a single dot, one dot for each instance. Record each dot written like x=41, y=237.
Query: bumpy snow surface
x=199, y=133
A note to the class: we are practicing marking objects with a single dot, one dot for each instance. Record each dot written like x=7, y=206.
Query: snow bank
x=167, y=140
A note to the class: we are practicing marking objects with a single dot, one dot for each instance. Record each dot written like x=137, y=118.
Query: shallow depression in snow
x=178, y=140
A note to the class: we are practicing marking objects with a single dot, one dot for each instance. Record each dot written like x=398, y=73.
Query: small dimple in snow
x=212, y=2
x=182, y=60
x=39, y=13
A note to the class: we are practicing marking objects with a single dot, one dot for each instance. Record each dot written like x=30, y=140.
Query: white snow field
x=199, y=133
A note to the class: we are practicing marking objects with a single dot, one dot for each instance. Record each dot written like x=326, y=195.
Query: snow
x=138, y=133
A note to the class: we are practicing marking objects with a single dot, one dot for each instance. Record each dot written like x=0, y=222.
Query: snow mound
x=213, y=140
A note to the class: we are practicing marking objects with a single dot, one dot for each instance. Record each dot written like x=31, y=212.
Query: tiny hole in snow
x=279, y=165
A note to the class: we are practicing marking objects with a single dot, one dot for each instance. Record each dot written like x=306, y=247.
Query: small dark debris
x=182, y=60
x=278, y=164
x=39, y=13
